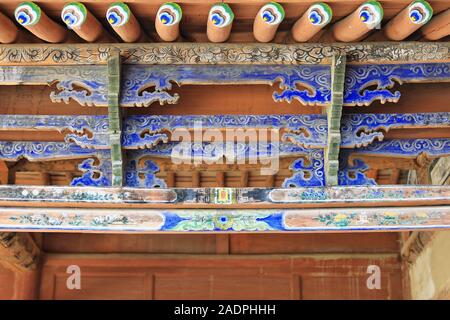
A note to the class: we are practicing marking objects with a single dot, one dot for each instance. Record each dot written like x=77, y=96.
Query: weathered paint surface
x=238, y=220
x=197, y=53
x=349, y=196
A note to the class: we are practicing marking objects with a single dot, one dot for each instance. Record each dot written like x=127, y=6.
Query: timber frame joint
x=334, y=115
x=115, y=118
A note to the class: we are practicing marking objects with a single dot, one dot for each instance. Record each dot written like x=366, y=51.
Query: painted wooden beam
x=438, y=27
x=311, y=22
x=260, y=198
x=267, y=21
x=220, y=22
x=246, y=54
x=334, y=114
x=410, y=19
x=144, y=85
x=309, y=131
x=19, y=250
x=167, y=21
x=30, y=16
x=123, y=21
x=115, y=119
x=354, y=27
x=79, y=19
x=127, y=220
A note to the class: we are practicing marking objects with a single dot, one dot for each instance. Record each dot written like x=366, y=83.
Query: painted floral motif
x=75, y=220
x=227, y=221
x=378, y=219
x=338, y=220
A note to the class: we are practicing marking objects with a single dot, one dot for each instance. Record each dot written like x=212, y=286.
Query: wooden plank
x=127, y=220
x=182, y=243
x=222, y=244
x=205, y=53
x=4, y=172
x=220, y=178
x=221, y=277
x=294, y=243
x=206, y=243
x=243, y=179
x=196, y=179
x=341, y=196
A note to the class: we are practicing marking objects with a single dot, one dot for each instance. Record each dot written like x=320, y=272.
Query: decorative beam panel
x=87, y=85
x=408, y=148
x=144, y=85
x=334, y=114
x=314, y=81
x=359, y=80
x=206, y=53
x=309, y=131
x=140, y=171
x=222, y=151
x=339, y=196
x=351, y=171
x=85, y=131
x=142, y=131
x=147, y=131
x=96, y=169
x=308, y=168
x=36, y=151
x=223, y=220
x=360, y=130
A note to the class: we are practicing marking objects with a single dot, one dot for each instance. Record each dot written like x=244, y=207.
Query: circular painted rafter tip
x=371, y=13
x=272, y=13
x=420, y=12
x=118, y=14
x=27, y=13
x=221, y=15
x=169, y=13
x=320, y=14
x=74, y=14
